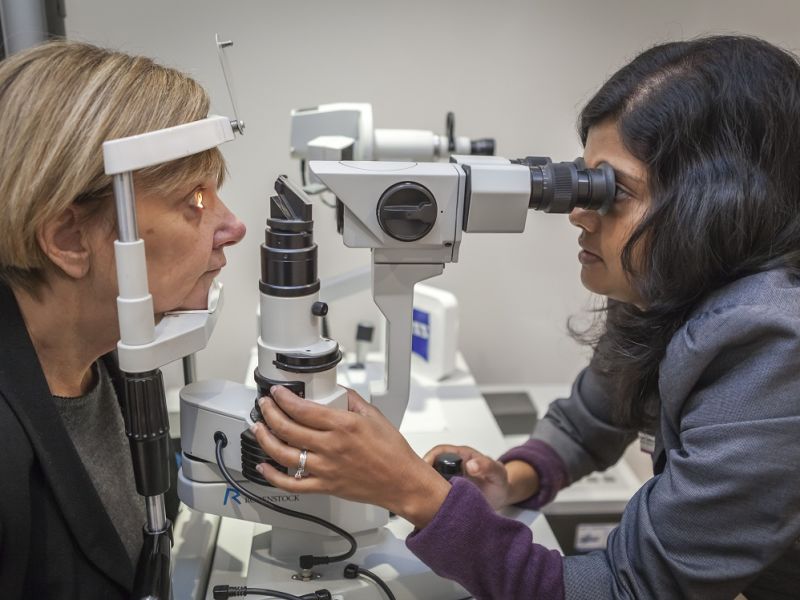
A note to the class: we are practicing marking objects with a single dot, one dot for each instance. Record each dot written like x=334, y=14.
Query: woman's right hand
x=501, y=484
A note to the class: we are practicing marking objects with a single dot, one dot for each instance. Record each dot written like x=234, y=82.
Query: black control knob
x=407, y=211
x=319, y=309
x=448, y=465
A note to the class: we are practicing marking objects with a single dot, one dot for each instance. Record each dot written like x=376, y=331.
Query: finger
x=307, y=485
x=288, y=430
x=357, y=404
x=304, y=411
x=286, y=455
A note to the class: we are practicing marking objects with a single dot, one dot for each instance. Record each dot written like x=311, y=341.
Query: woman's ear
x=64, y=240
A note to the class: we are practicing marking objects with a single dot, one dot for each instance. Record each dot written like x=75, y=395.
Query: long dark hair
x=716, y=122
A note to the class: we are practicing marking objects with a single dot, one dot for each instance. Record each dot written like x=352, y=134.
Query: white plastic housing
x=287, y=324
x=214, y=405
x=434, y=333
x=499, y=197
x=359, y=185
x=349, y=119
x=155, y=147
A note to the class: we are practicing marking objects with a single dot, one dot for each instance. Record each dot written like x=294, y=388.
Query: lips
x=219, y=267
x=583, y=246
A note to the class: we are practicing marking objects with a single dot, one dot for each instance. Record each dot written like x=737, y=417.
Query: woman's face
x=184, y=237
x=184, y=234
x=603, y=237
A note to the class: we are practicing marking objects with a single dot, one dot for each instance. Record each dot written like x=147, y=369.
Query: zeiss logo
x=420, y=333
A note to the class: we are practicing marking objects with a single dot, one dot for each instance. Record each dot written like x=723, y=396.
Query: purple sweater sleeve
x=491, y=556
x=547, y=463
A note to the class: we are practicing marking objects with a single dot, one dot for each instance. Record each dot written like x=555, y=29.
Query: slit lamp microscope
x=412, y=216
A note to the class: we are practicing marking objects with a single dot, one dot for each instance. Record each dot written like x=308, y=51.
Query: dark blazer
x=56, y=539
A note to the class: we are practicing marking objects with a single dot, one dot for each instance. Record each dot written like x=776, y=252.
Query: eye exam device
x=412, y=216
x=344, y=131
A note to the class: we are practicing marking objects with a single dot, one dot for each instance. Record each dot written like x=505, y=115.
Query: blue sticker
x=420, y=333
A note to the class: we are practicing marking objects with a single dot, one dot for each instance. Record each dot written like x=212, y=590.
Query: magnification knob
x=407, y=211
x=448, y=464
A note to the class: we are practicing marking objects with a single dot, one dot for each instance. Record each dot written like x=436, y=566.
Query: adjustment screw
x=319, y=309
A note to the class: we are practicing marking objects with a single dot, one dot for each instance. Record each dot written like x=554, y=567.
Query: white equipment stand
x=210, y=550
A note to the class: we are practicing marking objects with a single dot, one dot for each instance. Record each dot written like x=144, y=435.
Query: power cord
x=223, y=592
x=352, y=571
x=307, y=561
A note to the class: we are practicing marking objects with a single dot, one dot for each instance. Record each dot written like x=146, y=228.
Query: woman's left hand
x=355, y=454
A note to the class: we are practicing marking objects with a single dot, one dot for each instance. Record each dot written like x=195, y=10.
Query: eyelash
x=621, y=194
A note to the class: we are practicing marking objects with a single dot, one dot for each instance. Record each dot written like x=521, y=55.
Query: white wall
x=518, y=71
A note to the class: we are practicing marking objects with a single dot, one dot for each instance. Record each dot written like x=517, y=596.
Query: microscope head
x=416, y=211
x=407, y=212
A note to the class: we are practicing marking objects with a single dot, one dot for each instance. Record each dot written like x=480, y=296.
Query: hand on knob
x=501, y=484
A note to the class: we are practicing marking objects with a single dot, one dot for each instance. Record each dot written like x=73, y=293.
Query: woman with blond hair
x=70, y=517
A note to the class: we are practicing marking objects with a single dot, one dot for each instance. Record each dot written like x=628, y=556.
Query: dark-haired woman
x=700, y=349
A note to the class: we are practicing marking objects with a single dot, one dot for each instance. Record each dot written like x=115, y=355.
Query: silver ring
x=301, y=467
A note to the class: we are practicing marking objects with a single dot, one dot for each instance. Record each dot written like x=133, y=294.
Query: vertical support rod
x=156, y=513
x=125, y=200
x=393, y=292
x=189, y=369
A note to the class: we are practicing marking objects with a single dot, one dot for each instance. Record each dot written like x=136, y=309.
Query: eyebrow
x=625, y=175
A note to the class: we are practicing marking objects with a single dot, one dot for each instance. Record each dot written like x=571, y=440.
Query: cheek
x=177, y=270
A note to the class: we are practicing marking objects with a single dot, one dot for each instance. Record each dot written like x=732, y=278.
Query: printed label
x=234, y=496
x=647, y=442
x=420, y=333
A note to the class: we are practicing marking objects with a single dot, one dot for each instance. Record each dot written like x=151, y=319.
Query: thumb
x=480, y=467
x=357, y=404
x=472, y=467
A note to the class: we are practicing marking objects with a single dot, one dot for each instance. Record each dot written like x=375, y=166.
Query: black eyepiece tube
x=560, y=187
x=289, y=254
x=482, y=147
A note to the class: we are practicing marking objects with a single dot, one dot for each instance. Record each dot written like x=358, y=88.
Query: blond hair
x=58, y=103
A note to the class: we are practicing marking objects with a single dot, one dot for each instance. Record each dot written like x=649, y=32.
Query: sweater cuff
x=490, y=555
x=548, y=464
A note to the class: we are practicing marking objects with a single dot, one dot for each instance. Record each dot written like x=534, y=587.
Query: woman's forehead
x=604, y=144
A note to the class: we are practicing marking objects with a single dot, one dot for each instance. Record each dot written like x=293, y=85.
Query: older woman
x=70, y=518
x=699, y=349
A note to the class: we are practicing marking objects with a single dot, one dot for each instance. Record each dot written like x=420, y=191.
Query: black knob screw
x=448, y=465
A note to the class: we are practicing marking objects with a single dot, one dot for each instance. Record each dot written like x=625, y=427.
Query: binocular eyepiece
x=560, y=187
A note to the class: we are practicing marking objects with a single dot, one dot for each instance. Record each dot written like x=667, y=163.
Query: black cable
x=306, y=561
x=352, y=571
x=303, y=171
x=223, y=592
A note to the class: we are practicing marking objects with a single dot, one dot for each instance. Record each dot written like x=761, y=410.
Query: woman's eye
x=196, y=199
x=621, y=194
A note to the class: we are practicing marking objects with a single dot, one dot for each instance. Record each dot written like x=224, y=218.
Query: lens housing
x=288, y=254
x=561, y=187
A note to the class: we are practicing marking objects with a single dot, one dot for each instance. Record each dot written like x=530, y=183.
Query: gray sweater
x=722, y=513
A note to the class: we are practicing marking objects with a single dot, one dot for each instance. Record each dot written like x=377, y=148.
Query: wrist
x=424, y=497
x=523, y=481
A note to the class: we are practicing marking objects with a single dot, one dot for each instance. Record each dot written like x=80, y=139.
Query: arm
x=575, y=438
x=580, y=429
x=727, y=504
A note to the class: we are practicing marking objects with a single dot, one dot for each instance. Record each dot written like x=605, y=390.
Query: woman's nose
x=230, y=230
x=587, y=220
